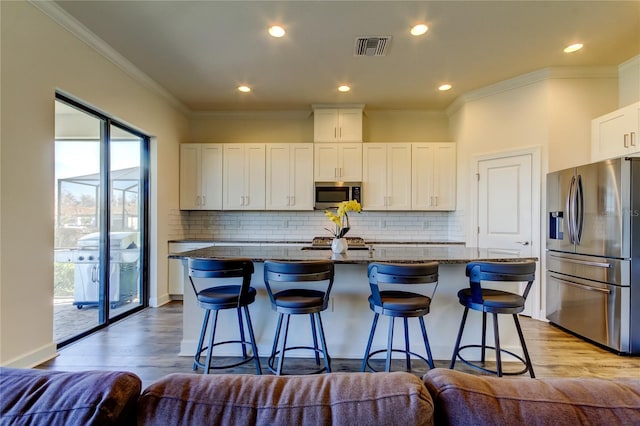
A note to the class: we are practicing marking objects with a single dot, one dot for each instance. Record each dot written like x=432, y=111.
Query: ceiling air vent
x=372, y=46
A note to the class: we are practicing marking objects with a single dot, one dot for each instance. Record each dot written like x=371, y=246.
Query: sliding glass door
x=101, y=221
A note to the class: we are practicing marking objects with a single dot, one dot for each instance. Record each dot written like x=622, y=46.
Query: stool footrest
x=487, y=370
x=272, y=359
x=394, y=350
x=197, y=363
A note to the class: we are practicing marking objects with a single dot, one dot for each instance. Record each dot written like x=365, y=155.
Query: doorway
x=101, y=217
x=507, y=209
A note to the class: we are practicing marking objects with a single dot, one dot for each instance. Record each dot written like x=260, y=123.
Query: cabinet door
x=233, y=194
x=350, y=162
x=254, y=172
x=278, y=176
x=350, y=125
x=325, y=162
x=444, y=177
x=211, y=176
x=374, y=176
x=190, y=176
x=616, y=134
x=301, y=177
x=325, y=125
x=398, y=176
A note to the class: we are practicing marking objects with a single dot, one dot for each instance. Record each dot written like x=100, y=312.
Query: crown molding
x=68, y=22
x=254, y=114
x=532, y=78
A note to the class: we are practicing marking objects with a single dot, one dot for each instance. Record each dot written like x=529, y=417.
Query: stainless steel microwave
x=330, y=194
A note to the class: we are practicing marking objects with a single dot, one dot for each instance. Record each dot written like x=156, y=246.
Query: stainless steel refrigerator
x=593, y=252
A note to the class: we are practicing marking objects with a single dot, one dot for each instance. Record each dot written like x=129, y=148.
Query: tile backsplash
x=303, y=226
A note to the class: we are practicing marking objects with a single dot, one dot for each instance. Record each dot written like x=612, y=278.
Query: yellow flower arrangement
x=341, y=218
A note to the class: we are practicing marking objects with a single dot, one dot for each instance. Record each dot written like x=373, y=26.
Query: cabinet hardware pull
x=626, y=140
x=581, y=286
x=198, y=200
x=633, y=138
x=582, y=262
x=204, y=200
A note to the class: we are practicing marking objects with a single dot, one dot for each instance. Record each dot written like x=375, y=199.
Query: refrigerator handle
x=579, y=210
x=570, y=210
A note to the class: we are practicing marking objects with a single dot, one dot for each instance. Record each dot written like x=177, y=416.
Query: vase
x=339, y=245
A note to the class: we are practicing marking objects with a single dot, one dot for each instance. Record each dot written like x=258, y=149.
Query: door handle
x=524, y=243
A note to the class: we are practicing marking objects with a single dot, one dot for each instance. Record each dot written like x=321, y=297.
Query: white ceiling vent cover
x=372, y=46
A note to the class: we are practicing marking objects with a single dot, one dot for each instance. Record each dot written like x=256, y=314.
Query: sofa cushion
x=41, y=397
x=465, y=399
x=336, y=398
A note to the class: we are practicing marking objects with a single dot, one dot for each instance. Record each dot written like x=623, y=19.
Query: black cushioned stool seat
x=399, y=303
x=495, y=302
x=300, y=300
x=218, y=297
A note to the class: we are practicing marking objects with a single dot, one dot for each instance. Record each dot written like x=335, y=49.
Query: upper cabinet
x=244, y=172
x=337, y=162
x=337, y=125
x=433, y=182
x=289, y=176
x=200, y=176
x=616, y=134
x=386, y=176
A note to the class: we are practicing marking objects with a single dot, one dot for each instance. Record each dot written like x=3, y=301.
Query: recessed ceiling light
x=344, y=88
x=277, y=31
x=419, y=29
x=244, y=89
x=444, y=87
x=573, y=48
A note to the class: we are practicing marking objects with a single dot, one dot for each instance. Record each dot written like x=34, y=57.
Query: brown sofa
x=441, y=397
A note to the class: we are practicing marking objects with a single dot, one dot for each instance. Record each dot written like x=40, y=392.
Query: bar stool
x=219, y=297
x=289, y=301
x=399, y=303
x=495, y=302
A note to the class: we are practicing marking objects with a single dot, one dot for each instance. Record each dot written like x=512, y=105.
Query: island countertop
x=444, y=254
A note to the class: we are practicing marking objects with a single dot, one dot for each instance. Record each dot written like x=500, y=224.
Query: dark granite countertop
x=444, y=254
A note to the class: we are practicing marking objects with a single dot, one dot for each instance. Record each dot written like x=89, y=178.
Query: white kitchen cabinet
x=337, y=162
x=289, y=176
x=616, y=134
x=337, y=125
x=386, y=176
x=244, y=173
x=200, y=176
x=433, y=181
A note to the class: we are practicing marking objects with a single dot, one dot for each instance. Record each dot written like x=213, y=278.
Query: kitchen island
x=347, y=321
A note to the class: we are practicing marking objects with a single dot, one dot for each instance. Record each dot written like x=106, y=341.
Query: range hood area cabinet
x=386, y=176
x=289, y=176
x=337, y=162
x=244, y=173
x=200, y=176
x=337, y=124
x=433, y=181
x=616, y=134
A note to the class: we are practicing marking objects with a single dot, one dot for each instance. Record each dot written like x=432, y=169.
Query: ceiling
x=200, y=51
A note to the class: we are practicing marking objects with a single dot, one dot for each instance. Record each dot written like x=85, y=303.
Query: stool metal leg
x=366, y=352
x=389, y=345
x=496, y=336
x=254, y=347
x=315, y=339
x=406, y=344
x=274, y=347
x=457, y=346
x=524, y=346
x=283, y=345
x=484, y=337
x=426, y=342
x=203, y=331
x=323, y=342
x=242, y=339
x=212, y=335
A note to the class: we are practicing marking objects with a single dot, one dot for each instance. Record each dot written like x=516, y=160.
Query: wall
x=38, y=57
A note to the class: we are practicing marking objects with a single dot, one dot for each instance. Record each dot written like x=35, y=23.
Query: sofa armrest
x=336, y=398
x=43, y=397
x=465, y=399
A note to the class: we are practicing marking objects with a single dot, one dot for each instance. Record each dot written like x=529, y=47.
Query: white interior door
x=506, y=210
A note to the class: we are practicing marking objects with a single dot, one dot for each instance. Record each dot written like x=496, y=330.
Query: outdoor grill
x=123, y=271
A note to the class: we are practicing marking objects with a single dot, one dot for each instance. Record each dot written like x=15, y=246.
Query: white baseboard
x=33, y=358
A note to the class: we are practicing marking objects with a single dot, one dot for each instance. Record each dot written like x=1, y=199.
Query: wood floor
x=147, y=344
